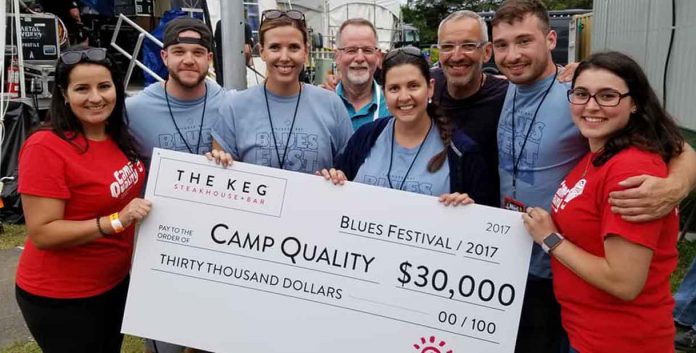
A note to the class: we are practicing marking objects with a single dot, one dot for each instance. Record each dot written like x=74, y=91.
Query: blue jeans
x=685, y=299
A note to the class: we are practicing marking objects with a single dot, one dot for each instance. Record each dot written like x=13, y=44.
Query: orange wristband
x=116, y=223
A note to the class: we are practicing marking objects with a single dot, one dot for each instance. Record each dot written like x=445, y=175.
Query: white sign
x=254, y=259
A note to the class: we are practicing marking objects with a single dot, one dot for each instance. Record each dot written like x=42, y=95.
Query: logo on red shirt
x=564, y=195
x=125, y=178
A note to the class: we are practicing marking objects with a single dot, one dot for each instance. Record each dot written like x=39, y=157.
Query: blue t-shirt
x=553, y=148
x=152, y=126
x=377, y=108
x=322, y=128
x=374, y=170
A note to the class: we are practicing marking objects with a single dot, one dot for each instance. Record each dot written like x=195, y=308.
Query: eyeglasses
x=408, y=50
x=353, y=51
x=466, y=47
x=291, y=14
x=91, y=54
x=604, y=98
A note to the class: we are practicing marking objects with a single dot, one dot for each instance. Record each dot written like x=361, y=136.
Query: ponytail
x=445, y=128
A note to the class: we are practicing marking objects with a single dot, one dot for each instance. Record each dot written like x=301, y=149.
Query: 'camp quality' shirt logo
x=564, y=195
x=125, y=178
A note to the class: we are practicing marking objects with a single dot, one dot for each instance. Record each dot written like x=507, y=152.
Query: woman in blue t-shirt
x=283, y=123
x=417, y=149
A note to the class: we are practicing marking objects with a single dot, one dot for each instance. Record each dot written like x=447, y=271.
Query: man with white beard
x=357, y=59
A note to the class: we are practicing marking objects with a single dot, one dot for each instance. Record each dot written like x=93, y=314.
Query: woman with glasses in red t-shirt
x=611, y=276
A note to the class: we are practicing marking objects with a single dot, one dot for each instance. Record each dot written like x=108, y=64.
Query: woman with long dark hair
x=79, y=178
x=417, y=149
x=611, y=276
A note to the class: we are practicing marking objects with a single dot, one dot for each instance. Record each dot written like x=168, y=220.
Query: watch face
x=552, y=240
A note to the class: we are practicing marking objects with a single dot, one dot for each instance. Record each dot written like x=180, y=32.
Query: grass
x=130, y=345
x=13, y=236
x=23, y=347
x=687, y=252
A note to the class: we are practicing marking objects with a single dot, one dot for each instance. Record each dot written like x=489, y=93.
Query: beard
x=175, y=76
x=459, y=80
x=358, y=78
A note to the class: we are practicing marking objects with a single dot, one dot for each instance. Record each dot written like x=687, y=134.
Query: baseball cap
x=181, y=24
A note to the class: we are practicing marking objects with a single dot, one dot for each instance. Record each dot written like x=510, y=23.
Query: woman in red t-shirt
x=80, y=179
x=611, y=276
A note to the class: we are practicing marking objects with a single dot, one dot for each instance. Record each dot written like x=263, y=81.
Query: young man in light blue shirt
x=178, y=114
x=538, y=144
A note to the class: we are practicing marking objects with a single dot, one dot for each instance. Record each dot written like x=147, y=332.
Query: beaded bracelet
x=99, y=227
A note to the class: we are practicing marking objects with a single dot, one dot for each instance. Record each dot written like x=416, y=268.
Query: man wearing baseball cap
x=178, y=114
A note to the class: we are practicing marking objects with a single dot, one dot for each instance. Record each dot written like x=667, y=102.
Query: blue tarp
x=104, y=7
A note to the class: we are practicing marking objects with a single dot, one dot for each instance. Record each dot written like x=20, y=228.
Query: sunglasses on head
x=291, y=14
x=91, y=54
x=408, y=50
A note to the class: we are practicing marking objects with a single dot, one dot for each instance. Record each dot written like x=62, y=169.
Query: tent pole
x=232, y=26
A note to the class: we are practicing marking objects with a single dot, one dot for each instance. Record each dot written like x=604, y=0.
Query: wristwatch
x=551, y=242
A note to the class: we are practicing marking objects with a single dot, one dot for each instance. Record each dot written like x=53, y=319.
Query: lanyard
x=200, y=128
x=391, y=156
x=281, y=161
x=516, y=163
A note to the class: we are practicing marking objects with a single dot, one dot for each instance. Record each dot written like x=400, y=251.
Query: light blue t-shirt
x=553, y=148
x=377, y=108
x=374, y=170
x=322, y=128
x=152, y=126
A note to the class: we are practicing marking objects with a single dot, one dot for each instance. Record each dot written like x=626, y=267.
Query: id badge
x=514, y=205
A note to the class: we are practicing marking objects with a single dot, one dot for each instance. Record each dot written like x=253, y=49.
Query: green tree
x=567, y=4
x=427, y=14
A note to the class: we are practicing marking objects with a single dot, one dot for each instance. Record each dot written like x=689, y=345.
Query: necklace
x=587, y=165
x=391, y=157
x=281, y=161
x=200, y=128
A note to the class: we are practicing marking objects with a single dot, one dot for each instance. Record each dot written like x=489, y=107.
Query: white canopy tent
x=326, y=16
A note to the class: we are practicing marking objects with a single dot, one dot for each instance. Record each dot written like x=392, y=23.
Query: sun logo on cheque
x=429, y=346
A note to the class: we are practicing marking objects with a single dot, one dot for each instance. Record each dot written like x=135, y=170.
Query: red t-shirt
x=596, y=321
x=94, y=183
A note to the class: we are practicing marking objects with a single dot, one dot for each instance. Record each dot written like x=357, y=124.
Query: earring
x=430, y=100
